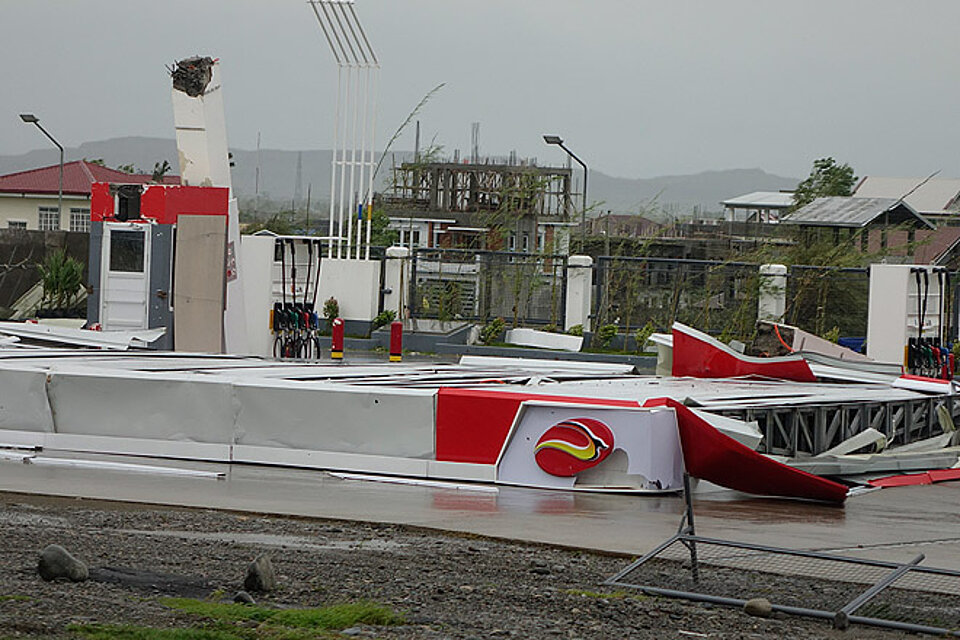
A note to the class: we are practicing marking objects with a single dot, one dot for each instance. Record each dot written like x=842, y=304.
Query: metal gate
x=521, y=288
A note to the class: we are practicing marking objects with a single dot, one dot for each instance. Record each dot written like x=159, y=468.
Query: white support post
x=396, y=278
x=579, y=292
x=355, y=124
x=772, y=296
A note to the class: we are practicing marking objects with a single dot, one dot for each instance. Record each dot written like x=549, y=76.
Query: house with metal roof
x=930, y=197
x=885, y=225
x=29, y=199
x=759, y=206
x=844, y=212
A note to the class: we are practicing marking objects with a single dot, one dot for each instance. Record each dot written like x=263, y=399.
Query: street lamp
x=557, y=140
x=29, y=118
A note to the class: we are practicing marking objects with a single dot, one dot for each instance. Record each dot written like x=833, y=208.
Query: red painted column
x=336, y=339
x=396, y=341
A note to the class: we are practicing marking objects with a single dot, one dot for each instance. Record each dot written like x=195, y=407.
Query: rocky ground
x=446, y=586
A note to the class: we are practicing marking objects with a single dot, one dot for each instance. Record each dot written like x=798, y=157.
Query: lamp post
x=29, y=118
x=557, y=140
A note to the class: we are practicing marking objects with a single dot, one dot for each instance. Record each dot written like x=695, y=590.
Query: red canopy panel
x=715, y=457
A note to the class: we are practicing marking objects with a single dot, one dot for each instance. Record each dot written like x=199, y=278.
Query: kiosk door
x=124, y=279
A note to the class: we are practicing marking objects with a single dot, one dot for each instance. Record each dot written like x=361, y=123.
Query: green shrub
x=604, y=336
x=383, y=318
x=643, y=334
x=492, y=330
x=61, y=276
x=575, y=330
x=331, y=311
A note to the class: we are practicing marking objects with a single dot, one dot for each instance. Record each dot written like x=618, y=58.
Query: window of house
x=16, y=224
x=49, y=218
x=511, y=242
x=79, y=219
x=541, y=241
x=415, y=238
x=525, y=246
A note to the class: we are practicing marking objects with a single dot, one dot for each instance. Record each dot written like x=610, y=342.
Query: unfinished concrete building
x=495, y=204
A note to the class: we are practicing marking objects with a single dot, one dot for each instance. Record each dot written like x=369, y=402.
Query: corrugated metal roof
x=842, y=211
x=77, y=178
x=930, y=198
x=761, y=200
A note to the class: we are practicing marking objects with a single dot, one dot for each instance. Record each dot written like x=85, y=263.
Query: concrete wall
x=355, y=284
x=188, y=415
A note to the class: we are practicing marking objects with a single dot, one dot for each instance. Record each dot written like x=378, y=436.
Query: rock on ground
x=260, y=575
x=56, y=562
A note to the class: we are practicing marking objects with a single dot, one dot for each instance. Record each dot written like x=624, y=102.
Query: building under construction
x=489, y=203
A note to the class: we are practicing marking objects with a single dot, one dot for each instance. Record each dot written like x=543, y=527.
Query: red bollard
x=336, y=339
x=396, y=341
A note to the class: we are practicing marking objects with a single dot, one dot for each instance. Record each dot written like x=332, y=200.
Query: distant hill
x=669, y=194
x=681, y=194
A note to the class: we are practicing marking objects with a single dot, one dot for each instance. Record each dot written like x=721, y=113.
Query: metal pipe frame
x=841, y=618
x=354, y=126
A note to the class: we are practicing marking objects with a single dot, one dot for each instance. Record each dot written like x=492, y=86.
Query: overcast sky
x=637, y=88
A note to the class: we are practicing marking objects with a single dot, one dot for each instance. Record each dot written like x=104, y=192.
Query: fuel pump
x=908, y=318
x=294, y=322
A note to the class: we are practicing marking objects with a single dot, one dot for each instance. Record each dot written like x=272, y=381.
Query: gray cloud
x=638, y=88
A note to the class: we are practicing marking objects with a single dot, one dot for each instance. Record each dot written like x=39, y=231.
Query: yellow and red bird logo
x=573, y=445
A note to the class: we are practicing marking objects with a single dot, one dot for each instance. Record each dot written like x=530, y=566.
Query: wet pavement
x=890, y=524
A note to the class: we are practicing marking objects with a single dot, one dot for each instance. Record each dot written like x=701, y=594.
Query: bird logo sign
x=572, y=446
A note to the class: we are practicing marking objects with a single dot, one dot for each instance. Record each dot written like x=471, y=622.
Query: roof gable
x=927, y=196
x=761, y=199
x=77, y=178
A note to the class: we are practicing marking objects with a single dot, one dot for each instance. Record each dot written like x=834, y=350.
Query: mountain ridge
x=670, y=195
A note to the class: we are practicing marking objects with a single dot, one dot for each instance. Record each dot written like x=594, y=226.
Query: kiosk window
x=126, y=251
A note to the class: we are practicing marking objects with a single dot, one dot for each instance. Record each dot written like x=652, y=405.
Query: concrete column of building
x=772, y=297
x=579, y=292
x=396, y=280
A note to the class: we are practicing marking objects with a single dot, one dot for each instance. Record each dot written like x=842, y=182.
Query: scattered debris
x=192, y=75
x=914, y=479
x=242, y=597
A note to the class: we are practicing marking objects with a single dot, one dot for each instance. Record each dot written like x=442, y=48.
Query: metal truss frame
x=792, y=430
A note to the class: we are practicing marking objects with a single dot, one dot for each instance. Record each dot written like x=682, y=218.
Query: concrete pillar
x=579, y=292
x=396, y=280
x=772, y=297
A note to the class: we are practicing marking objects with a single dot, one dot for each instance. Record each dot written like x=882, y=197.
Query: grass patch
x=133, y=632
x=231, y=621
x=15, y=598
x=338, y=616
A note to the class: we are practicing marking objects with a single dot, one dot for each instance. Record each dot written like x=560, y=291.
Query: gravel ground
x=447, y=586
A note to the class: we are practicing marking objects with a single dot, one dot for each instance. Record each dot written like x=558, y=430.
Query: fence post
x=772, y=293
x=578, y=303
x=396, y=280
